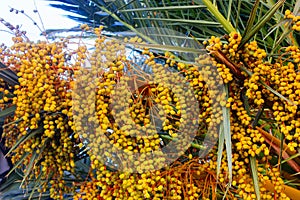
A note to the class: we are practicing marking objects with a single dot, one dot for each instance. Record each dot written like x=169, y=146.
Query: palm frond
x=8, y=75
x=196, y=19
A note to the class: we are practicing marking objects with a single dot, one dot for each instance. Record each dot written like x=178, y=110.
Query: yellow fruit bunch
x=263, y=97
x=69, y=102
x=42, y=121
x=72, y=104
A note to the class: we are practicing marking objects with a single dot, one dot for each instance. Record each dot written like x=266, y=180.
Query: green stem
x=197, y=146
x=215, y=12
x=255, y=176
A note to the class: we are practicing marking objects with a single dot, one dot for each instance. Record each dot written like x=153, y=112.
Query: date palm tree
x=197, y=20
